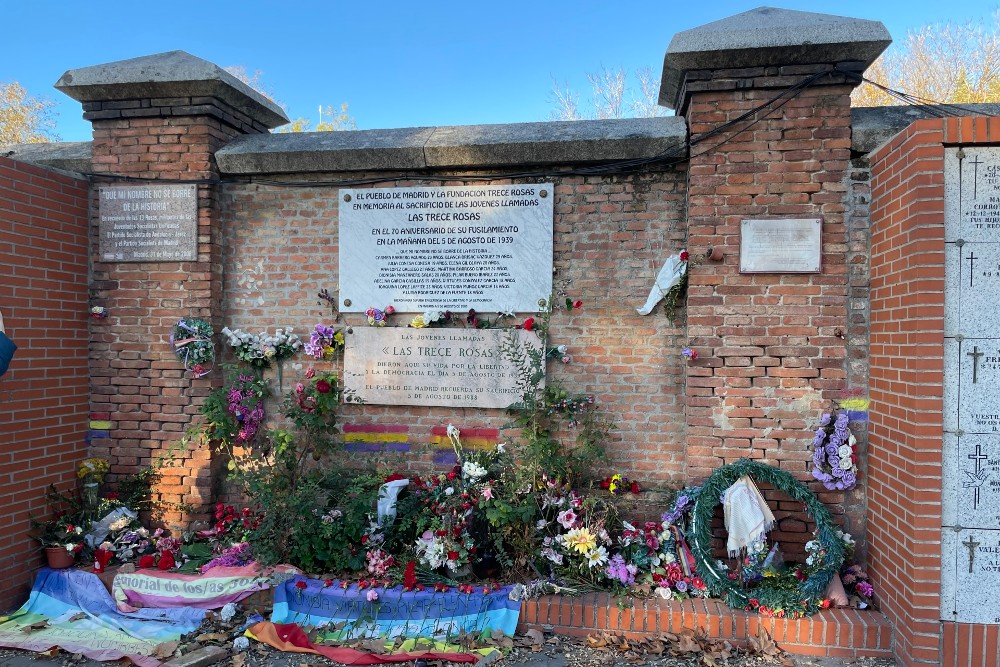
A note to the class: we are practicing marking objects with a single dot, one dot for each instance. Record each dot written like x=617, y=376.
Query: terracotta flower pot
x=58, y=558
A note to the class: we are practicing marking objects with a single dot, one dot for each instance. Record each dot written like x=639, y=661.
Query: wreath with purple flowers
x=835, y=454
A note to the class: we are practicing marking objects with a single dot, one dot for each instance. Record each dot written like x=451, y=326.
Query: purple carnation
x=825, y=419
x=865, y=589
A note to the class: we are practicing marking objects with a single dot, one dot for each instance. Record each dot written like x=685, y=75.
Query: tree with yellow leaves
x=955, y=64
x=24, y=119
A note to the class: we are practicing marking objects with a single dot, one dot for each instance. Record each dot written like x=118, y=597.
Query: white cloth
x=386, y=504
x=671, y=273
x=748, y=518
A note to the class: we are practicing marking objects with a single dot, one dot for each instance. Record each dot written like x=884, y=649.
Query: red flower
x=301, y=585
x=322, y=386
x=166, y=561
x=606, y=483
x=452, y=475
x=698, y=583
x=394, y=477
x=635, y=487
x=578, y=304
x=684, y=255
x=112, y=495
x=327, y=583
x=529, y=324
x=410, y=574
x=452, y=555
x=390, y=310
x=364, y=539
x=825, y=604
x=146, y=562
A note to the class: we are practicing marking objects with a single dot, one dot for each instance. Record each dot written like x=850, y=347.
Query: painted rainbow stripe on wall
x=472, y=438
x=377, y=438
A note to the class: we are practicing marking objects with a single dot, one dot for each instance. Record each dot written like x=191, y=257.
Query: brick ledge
x=843, y=633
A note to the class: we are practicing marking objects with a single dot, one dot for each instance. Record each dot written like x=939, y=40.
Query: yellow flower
x=338, y=339
x=581, y=540
x=418, y=322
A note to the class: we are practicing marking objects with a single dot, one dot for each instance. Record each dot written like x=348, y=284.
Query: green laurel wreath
x=806, y=597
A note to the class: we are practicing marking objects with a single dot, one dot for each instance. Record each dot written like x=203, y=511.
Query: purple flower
x=865, y=589
x=850, y=478
x=681, y=586
x=825, y=419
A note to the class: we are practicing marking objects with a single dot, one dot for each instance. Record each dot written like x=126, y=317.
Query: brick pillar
x=773, y=348
x=162, y=118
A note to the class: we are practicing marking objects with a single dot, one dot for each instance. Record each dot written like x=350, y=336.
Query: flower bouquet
x=325, y=342
x=192, y=341
x=835, y=453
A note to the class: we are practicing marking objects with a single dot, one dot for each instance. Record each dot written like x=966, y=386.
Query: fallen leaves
x=165, y=649
x=35, y=627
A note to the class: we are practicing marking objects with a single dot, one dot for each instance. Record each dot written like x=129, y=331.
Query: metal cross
x=977, y=458
x=975, y=162
x=972, y=260
x=971, y=544
x=975, y=354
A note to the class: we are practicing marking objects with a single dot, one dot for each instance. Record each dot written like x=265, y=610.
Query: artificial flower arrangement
x=63, y=532
x=324, y=342
x=262, y=349
x=378, y=317
x=98, y=312
x=619, y=484
x=576, y=533
x=192, y=341
x=835, y=453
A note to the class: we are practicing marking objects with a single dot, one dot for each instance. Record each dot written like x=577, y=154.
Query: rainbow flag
x=73, y=610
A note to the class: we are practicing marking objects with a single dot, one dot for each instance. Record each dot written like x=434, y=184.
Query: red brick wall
x=137, y=382
x=905, y=440
x=773, y=347
x=612, y=235
x=44, y=396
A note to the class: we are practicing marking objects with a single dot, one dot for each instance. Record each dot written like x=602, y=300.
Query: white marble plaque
x=970, y=569
x=781, y=246
x=970, y=544
x=972, y=193
x=462, y=368
x=482, y=247
x=148, y=223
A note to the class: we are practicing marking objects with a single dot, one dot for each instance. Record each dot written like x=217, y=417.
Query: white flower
x=70, y=547
x=432, y=316
x=844, y=451
x=453, y=431
x=846, y=463
x=241, y=644
x=228, y=611
x=79, y=530
x=501, y=447
x=845, y=537
x=142, y=532
x=473, y=470
x=566, y=519
x=562, y=349
x=450, y=490
x=107, y=546
x=664, y=593
x=597, y=557
x=541, y=524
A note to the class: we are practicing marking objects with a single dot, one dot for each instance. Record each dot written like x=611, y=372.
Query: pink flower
x=311, y=373
x=372, y=595
x=566, y=519
x=488, y=492
x=299, y=387
x=390, y=310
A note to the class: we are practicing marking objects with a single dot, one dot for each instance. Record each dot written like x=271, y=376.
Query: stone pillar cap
x=768, y=36
x=166, y=75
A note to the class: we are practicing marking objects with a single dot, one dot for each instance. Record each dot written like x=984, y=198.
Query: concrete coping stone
x=72, y=156
x=768, y=36
x=873, y=126
x=174, y=74
x=468, y=146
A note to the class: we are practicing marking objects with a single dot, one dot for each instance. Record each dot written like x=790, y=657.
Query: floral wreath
x=192, y=341
x=800, y=601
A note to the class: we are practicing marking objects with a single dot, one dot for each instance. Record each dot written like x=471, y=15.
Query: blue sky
x=398, y=64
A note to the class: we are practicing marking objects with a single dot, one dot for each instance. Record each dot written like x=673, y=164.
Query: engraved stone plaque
x=781, y=246
x=486, y=247
x=970, y=539
x=463, y=368
x=148, y=223
x=970, y=569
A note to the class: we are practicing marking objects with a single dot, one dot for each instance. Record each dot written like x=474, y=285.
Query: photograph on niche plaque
x=790, y=245
x=148, y=223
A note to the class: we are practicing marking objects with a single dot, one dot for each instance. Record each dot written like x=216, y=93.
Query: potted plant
x=62, y=539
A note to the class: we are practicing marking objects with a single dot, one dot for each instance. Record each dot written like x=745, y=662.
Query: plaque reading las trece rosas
x=484, y=247
x=790, y=245
x=464, y=368
x=148, y=223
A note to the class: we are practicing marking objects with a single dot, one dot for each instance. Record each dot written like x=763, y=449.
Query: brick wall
x=773, y=347
x=137, y=383
x=612, y=235
x=907, y=339
x=44, y=396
